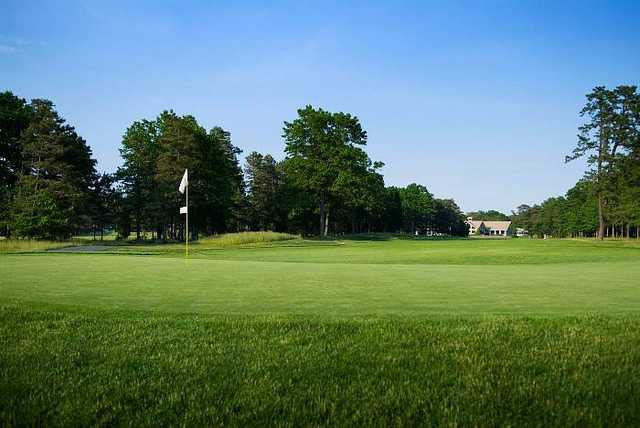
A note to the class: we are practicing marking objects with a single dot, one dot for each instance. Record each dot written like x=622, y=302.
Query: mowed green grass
x=319, y=289
x=372, y=332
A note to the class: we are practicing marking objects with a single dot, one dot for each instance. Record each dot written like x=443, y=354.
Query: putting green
x=205, y=285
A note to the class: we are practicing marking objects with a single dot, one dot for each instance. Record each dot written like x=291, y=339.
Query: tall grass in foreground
x=29, y=245
x=245, y=238
x=118, y=368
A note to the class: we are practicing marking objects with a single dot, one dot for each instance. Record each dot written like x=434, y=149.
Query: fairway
x=370, y=331
x=347, y=278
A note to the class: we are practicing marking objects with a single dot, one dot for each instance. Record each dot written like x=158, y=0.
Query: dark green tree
x=155, y=155
x=324, y=155
x=417, y=207
x=53, y=188
x=448, y=218
x=15, y=116
x=264, y=182
x=609, y=134
x=392, y=215
x=139, y=151
x=102, y=203
x=490, y=215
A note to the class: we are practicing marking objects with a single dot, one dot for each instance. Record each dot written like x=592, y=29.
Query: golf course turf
x=377, y=331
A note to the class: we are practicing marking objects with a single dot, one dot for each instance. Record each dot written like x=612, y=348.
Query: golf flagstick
x=184, y=187
x=186, y=237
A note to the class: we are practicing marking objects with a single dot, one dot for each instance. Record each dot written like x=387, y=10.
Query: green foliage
x=15, y=116
x=610, y=138
x=448, y=218
x=417, y=207
x=325, y=158
x=491, y=215
x=575, y=215
x=266, y=204
x=155, y=155
x=139, y=151
x=326, y=172
x=43, y=208
x=46, y=170
x=392, y=210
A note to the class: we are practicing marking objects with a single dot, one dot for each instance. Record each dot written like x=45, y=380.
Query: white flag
x=184, y=183
x=183, y=210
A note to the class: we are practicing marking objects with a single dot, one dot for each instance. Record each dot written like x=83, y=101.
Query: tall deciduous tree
x=417, y=207
x=324, y=154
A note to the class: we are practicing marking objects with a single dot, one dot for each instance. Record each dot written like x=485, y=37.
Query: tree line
x=326, y=184
x=606, y=201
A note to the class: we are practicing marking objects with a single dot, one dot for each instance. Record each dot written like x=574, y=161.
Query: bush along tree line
x=606, y=202
x=326, y=184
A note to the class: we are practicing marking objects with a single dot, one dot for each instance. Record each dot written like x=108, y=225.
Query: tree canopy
x=46, y=170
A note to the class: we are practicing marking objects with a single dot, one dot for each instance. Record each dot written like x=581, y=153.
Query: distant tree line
x=326, y=184
x=491, y=215
x=606, y=202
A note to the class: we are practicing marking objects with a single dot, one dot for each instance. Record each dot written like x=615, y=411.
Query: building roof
x=475, y=223
x=497, y=225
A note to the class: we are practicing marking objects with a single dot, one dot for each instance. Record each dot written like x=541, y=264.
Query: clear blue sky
x=477, y=102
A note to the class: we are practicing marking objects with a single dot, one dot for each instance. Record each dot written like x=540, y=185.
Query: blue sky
x=478, y=101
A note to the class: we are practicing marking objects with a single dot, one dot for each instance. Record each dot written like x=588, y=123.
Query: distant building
x=489, y=228
x=520, y=232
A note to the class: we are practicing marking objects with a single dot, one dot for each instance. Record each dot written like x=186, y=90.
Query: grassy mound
x=30, y=245
x=245, y=238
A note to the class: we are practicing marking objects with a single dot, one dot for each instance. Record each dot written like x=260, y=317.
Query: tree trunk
x=322, y=214
x=600, y=217
x=326, y=224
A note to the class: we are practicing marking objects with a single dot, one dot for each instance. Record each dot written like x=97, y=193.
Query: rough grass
x=122, y=368
x=244, y=238
x=30, y=245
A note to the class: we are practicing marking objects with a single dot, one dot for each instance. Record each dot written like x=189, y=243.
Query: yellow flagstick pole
x=186, y=235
